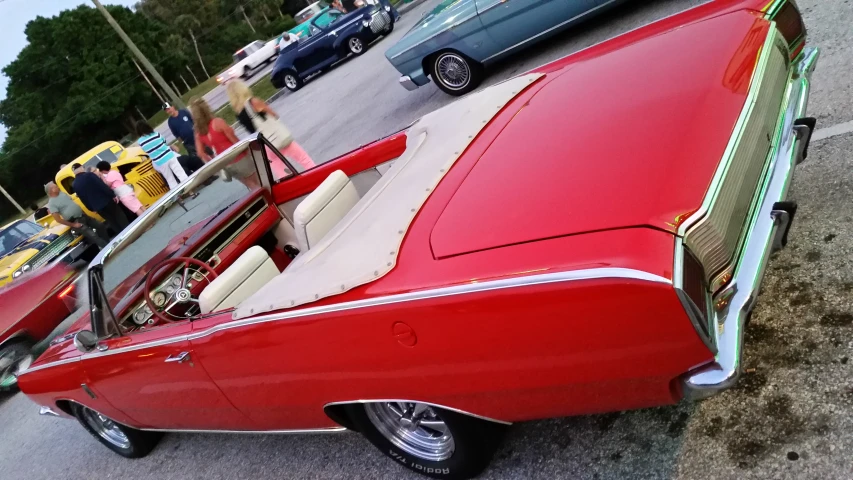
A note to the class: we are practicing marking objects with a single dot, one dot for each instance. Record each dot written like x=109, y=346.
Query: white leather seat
x=246, y=276
x=323, y=209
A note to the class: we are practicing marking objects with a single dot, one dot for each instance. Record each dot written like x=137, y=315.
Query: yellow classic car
x=25, y=246
x=132, y=163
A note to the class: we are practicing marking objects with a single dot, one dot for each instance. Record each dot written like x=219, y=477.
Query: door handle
x=180, y=358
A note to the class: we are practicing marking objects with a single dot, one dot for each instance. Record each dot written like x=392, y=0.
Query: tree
x=188, y=23
x=73, y=86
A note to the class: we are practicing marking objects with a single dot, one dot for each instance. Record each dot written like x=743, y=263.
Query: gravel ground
x=789, y=417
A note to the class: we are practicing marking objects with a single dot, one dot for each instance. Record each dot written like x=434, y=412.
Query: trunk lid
x=626, y=136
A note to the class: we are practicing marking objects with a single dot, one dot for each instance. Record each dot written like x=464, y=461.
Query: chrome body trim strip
x=451, y=27
x=474, y=287
x=254, y=432
x=530, y=280
x=48, y=365
x=463, y=412
x=48, y=411
x=763, y=231
x=576, y=17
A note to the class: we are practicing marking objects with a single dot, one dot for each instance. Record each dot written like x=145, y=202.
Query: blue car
x=454, y=42
x=333, y=35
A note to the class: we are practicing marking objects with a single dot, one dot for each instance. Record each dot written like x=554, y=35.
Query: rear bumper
x=768, y=230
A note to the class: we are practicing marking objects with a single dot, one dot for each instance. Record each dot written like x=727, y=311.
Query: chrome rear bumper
x=767, y=230
x=407, y=83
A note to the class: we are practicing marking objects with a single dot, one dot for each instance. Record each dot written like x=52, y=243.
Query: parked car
x=302, y=28
x=134, y=165
x=248, y=59
x=455, y=42
x=334, y=35
x=32, y=308
x=26, y=246
x=396, y=292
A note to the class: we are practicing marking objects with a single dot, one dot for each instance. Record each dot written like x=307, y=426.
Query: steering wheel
x=182, y=294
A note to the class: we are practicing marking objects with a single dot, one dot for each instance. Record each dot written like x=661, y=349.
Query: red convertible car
x=587, y=237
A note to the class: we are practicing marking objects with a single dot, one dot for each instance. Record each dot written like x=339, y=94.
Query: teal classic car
x=456, y=41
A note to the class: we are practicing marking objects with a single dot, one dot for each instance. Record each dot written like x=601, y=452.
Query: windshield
x=166, y=226
x=16, y=234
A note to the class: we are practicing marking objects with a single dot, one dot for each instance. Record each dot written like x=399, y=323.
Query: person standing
x=98, y=197
x=256, y=115
x=123, y=191
x=215, y=133
x=165, y=159
x=181, y=124
x=65, y=212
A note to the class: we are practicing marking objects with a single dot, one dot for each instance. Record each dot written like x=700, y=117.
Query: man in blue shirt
x=181, y=124
x=98, y=197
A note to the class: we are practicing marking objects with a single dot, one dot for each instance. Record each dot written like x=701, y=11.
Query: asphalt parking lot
x=789, y=417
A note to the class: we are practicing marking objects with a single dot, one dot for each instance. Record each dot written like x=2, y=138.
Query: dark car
x=333, y=36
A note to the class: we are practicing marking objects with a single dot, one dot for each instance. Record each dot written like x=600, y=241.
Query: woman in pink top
x=123, y=191
x=215, y=133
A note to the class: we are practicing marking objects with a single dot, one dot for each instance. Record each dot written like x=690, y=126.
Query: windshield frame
x=102, y=316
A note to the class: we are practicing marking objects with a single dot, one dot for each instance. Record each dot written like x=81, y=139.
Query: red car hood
x=617, y=136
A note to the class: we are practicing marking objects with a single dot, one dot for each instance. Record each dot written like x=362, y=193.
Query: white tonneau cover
x=363, y=246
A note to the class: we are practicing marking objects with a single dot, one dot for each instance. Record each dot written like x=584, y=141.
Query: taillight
x=695, y=297
x=789, y=22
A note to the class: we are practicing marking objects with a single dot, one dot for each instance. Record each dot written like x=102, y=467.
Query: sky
x=14, y=16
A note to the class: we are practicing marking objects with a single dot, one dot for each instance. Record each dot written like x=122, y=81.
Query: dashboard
x=218, y=245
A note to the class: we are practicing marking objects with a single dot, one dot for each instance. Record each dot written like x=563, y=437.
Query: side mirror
x=85, y=341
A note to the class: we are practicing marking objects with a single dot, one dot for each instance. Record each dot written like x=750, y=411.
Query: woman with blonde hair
x=215, y=133
x=256, y=116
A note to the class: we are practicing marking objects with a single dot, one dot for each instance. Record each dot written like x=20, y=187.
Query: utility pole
x=156, y=92
x=9, y=197
x=176, y=100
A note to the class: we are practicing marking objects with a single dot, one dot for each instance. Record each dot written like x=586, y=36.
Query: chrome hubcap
x=415, y=428
x=290, y=81
x=106, y=428
x=453, y=71
x=11, y=367
x=355, y=45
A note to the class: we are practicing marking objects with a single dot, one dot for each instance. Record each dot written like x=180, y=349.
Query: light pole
x=173, y=96
x=9, y=197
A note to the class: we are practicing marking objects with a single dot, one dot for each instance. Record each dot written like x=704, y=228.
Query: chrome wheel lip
x=355, y=45
x=9, y=376
x=290, y=81
x=106, y=429
x=453, y=71
x=415, y=437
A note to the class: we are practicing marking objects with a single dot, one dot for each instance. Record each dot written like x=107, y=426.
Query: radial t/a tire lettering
x=125, y=441
x=472, y=441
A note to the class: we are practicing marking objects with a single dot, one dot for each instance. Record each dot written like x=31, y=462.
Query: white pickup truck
x=248, y=59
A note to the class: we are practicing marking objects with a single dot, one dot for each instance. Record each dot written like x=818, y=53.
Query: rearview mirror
x=85, y=341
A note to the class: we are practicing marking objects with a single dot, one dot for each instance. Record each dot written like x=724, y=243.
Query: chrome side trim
x=48, y=365
x=463, y=412
x=474, y=287
x=254, y=432
x=48, y=411
x=451, y=27
x=581, y=15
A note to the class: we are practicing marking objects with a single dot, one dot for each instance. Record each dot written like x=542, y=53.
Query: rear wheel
x=455, y=74
x=247, y=72
x=14, y=359
x=429, y=440
x=127, y=442
x=292, y=81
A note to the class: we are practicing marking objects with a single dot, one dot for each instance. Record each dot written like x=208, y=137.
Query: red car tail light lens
x=789, y=22
x=696, y=298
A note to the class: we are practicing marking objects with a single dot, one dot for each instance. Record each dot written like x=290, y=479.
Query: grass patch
x=264, y=88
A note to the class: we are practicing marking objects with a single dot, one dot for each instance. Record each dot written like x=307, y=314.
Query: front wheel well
x=21, y=336
x=65, y=406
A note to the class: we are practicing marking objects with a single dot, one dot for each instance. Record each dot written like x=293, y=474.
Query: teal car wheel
x=455, y=74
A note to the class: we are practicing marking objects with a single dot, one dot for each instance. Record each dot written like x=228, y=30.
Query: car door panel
x=512, y=22
x=144, y=377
